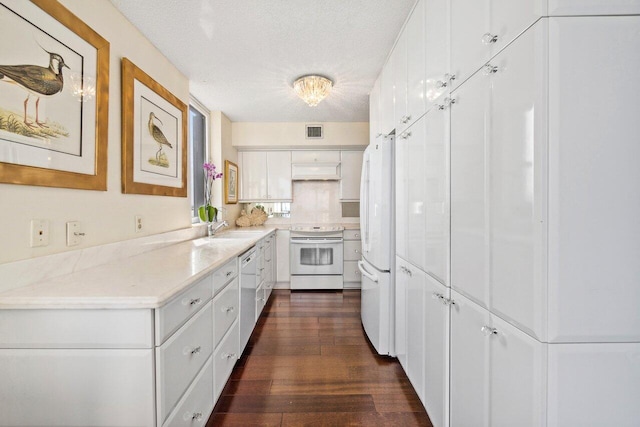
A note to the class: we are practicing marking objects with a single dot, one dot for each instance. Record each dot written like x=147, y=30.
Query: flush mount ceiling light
x=312, y=89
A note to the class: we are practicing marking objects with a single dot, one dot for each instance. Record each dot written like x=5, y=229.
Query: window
x=198, y=132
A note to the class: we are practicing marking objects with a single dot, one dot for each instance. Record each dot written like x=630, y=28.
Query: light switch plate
x=39, y=232
x=74, y=233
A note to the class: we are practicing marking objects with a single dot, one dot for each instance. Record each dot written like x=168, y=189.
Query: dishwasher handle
x=365, y=273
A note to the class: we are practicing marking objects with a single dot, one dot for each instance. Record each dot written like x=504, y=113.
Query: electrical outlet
x=39, y=232
x=138, y=223
x=74, y=233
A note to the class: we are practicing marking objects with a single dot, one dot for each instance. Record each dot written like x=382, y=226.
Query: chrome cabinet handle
x=357, y=251
x=228, y=309
x=489, y=69
x=405, y=135
x=356, y=235
x=447, y=102
x=405, y=119
x=488, y=38
x=488, y=331
x=229, y=273
x=227, y=356
x=436, y=295
x=197, y=416
x=195, y=301
x=196, y=350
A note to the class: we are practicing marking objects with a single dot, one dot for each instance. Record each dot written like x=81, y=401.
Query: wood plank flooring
x=308, y=363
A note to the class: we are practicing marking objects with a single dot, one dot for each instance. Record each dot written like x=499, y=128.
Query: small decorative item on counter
x=257, y=217
x=208, y=213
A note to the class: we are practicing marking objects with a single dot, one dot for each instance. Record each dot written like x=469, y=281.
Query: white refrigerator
x=377, y=223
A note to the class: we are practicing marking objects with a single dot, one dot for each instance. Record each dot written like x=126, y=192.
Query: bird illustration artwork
x=157, y=134
x=36, y=80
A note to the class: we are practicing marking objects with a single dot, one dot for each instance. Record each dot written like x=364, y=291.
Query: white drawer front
x=260, y=300
x=226, y=307
x=225, y=273
x=351, y=234
x=315, y=156
x=76, y=329
x=224, y=359
x=197, y=404
x=170, y=316
x=351, y=271
x=181, y=357
x=352, y=250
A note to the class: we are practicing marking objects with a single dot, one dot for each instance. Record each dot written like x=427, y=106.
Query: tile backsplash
x=317, y=202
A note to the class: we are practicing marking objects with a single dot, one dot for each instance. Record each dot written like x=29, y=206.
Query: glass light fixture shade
x=84, y=87
x=312, y=89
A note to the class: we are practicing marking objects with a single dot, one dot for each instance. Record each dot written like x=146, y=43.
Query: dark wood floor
x=308, y=363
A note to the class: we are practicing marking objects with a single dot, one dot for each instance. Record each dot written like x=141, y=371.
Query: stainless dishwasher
x=247, y=296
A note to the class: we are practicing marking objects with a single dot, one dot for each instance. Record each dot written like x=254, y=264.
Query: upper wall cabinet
x=350, y=170
x=399, y=71
x=415, y=64
x=482, y=28
x=594, y=7
x=436, y=48
x=265, y=176
x=386, y=99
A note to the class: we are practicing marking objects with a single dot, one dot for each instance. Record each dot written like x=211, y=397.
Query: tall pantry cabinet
x=518, y=206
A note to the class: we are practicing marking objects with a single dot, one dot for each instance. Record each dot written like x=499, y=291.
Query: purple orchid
x=210, y=175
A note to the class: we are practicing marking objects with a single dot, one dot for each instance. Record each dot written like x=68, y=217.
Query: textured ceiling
x=242, y=56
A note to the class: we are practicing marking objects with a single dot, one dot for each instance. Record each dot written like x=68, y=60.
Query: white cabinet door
x=517, y=147
x=468, y=51
x=415, y=327
x=399, y=61
x=436, y=352
x=402, y=282
x=517, y=377
x=481, y=28
x=279, y=175
x=436, y=194
x=386, y=98
x=594, y=7
x=253, y=170
x=594, y=179
x=469, y=184
x=282, y=259
x=414, y=138
x=350, y=171
x=415, y=63
x=437, y=46
x=469, y=363
x=76, y=387
x=402, y=171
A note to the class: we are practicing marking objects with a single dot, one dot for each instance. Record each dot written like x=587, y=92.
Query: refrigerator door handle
x=366, y=274
x=364, y=203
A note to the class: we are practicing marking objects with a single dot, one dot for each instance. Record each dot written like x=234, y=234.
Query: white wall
x=106, y=216
x=222, y=149
x=288, y=134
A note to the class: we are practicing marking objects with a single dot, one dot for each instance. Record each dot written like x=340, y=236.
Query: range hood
x=316, y=171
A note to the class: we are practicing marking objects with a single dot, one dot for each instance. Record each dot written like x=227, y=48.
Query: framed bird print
x=230, y=182
x=154, y=136
x=54, y=89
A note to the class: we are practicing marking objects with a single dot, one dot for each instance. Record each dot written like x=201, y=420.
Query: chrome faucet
x=211, y=230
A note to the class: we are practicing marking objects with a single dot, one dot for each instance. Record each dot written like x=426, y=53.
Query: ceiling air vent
x=314, y=131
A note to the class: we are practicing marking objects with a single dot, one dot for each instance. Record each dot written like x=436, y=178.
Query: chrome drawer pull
x=229, y=273
x=228, y=356
x=196, y=350
x=197, y=416
x=196, y=301
x=488, y=38
x=228, y=309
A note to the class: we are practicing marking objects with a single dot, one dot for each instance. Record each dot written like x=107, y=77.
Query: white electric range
x=316, y=257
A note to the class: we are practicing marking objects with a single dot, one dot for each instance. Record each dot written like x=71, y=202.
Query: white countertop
x=147, y=280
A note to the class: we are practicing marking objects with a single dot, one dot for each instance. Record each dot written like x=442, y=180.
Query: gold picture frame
x=53, y=32
x=231, y=178
x=154, y=136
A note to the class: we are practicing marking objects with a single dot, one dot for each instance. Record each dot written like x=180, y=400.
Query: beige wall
x=106, y=216
x=222, y=149
x=274, y=134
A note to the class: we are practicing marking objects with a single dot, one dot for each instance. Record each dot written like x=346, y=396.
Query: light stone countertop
x=148, y=280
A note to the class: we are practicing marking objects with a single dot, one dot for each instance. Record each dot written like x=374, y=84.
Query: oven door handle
x=366, y=274
x=326, y=242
